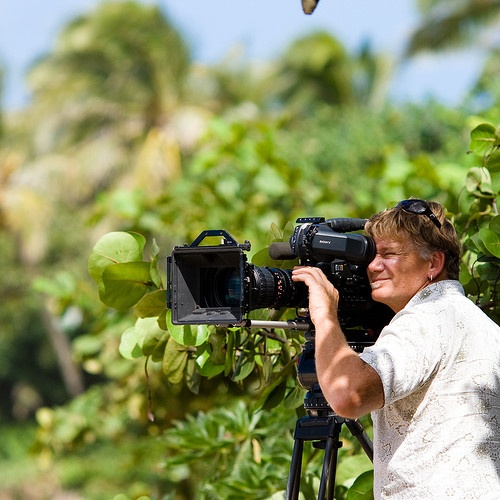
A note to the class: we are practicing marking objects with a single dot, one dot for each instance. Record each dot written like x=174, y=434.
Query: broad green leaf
x=267, y=365
x=113, y=248
x=130, y=344
x=159, y=349
x=486, y=241
x=162, y=319
x=135, y=338
x=154, y=338
x=193, y=377
x=175, y=330
x=362, y=488
x=152, y=304
x=288, y=231
x=174, y=361
x=478, y=243
x=206, y=366
x=228, y=362
x=478, y=182
x=493, y=162
x=488, y=270
x=294, y=398
x=275, y=234
x=495, y=224
x=262, y=259
x=155, y=274
x=491, y=241
x=244, y=367
x=188, y=335
x=123, y=285
x=269, y=391
x=275, y=397
x=352, y=467
x=482, y=138
x=218, y=343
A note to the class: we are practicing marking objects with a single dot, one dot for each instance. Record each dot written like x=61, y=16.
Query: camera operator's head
x=416, y=245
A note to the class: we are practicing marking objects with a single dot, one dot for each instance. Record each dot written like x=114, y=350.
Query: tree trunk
x=70, y=371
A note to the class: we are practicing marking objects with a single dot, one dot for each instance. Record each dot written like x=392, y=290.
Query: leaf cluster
x=262, y=362
x=116, y=148
x=188, y=352
x=480, y=226
x=252, y=451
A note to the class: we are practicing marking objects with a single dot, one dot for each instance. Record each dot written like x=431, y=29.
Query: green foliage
x=98, y=471
x=481, y=225
x=116, y=264
x=112, y=65
x=113, y=157
x=15, y=461
x=450, y=24
x=233, y=195
x=188, y=353
x=325, y=72
x=236, y=453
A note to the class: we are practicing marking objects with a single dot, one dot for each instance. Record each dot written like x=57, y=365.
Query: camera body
x=215, y=284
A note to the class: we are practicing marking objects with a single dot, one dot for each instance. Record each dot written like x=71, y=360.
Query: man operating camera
x=432, y=379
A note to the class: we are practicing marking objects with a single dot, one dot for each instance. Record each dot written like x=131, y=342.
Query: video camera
x=217, y=285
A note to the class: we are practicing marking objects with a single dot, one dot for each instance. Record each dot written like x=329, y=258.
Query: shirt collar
x=437, y=289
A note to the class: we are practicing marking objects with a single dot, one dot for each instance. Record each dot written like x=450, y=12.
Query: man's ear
x=437, y=262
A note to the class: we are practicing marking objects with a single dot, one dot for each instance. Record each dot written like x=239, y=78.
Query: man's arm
x=351, y=386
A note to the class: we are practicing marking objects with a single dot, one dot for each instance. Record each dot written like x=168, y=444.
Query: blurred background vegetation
x=125, y=133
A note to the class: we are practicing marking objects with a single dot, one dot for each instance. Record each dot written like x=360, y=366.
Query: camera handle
x=301, y=324
x=227, y=239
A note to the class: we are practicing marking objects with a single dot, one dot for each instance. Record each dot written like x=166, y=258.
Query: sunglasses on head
x=419, y=207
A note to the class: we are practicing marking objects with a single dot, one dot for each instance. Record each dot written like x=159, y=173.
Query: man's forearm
x=351, y=387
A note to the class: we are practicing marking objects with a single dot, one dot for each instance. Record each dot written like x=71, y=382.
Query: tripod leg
x=328, y=472
x=358, y=432
x=293, y=486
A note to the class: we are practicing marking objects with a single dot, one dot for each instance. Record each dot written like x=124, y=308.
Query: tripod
x=324, y=431
x=321, y=425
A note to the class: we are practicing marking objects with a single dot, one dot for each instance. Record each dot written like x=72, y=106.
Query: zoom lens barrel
x=267, y=288
x=274, y=288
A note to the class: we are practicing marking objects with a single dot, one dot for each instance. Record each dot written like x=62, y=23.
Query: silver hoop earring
x=430, y=277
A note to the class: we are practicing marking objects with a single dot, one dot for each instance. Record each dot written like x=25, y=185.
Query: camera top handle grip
x=227, y=239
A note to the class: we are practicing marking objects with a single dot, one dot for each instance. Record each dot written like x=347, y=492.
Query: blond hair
x=398, y=224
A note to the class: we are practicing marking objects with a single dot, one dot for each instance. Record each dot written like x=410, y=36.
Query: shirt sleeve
x=406, y=354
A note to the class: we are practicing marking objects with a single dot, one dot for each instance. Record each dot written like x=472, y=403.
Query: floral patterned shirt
x=438, y=434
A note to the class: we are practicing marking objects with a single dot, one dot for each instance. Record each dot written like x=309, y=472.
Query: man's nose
x=375, y=264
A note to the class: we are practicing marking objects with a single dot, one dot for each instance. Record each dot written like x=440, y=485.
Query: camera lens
x=267, y=287
x=223, y=287
x=274, y=288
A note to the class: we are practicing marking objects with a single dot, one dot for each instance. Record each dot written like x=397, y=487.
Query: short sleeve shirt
x=438, y=434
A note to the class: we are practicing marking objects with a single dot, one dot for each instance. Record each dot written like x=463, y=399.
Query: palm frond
x=453, y=24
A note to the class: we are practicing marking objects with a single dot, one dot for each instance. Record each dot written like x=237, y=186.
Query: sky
x=263, y=28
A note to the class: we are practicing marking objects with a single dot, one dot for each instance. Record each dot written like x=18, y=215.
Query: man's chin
x=378, y=294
